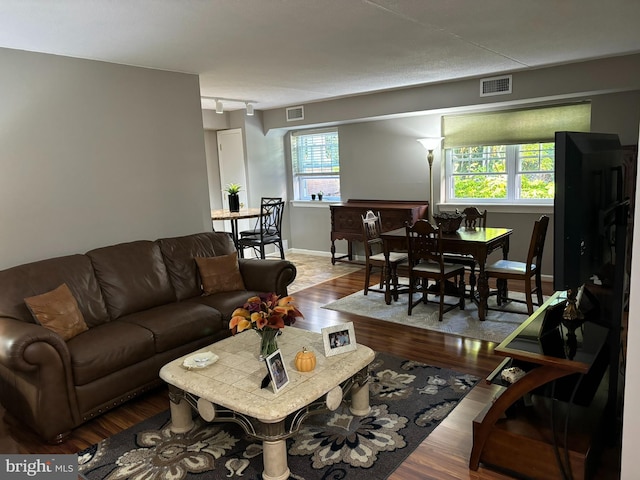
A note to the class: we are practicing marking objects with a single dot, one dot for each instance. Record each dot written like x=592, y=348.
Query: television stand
x=527, y=438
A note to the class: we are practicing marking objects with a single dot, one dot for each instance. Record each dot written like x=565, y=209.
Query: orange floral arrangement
x=264, y=312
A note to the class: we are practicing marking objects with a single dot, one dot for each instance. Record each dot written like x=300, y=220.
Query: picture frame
x=339, y=339
x=277, y=371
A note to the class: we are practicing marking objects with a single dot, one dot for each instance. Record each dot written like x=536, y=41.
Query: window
x=316, y=164
x=507, y=156
x=501, y=173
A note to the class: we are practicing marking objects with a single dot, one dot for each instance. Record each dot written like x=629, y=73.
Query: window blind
x=514, y=127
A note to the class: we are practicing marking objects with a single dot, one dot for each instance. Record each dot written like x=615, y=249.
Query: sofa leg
x=60, y=438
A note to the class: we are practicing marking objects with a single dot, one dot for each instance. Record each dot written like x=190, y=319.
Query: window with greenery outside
x=316, y=164
x=501, y=173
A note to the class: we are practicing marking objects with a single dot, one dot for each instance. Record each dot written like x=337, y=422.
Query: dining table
x=478, y=242
x=233, y=217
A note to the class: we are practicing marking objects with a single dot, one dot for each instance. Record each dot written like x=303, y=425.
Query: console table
x=346, y=219
x=514, y=433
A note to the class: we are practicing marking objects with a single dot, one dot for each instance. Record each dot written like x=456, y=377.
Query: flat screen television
x=589, y=182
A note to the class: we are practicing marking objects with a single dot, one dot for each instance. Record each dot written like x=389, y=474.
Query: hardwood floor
x=443, y=455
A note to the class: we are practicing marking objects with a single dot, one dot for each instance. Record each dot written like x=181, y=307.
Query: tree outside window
x=501, y=173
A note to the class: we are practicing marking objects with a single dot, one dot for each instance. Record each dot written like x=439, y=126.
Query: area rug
x=495, y=328
x=408, y=400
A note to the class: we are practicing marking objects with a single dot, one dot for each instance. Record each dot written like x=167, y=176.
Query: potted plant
x=232, y=190
x=313, y=196
x=320, y=193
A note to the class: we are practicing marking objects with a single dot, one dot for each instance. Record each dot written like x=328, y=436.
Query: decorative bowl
x=448, y=222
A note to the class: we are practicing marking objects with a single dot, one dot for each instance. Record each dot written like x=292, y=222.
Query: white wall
x=93, y=153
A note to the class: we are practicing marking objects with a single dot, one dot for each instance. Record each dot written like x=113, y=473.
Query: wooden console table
x=346, y=219
x=514, y=433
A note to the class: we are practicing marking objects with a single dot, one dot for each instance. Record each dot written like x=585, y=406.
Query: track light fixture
x=249, y=104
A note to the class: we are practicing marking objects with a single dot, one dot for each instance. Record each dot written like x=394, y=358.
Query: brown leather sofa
x=144, y=307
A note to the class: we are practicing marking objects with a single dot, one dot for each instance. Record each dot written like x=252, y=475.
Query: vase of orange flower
x=267, y=314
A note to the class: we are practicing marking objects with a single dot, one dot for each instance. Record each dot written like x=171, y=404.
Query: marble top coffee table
x=229, y=390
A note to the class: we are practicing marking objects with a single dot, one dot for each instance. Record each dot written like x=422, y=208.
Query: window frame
x=512, y=181
x=299, y=179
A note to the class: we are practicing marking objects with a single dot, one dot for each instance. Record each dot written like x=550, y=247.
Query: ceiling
x=279, y=53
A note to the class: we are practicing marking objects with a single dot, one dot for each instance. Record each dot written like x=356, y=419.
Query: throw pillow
x=58, y=311
x=220, y=273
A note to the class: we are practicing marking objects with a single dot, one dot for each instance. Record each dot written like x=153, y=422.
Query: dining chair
x=426, y=262
x=264, y=201
x=473, y=218
x=530, y=271
x=374, y=254
x=268, y=230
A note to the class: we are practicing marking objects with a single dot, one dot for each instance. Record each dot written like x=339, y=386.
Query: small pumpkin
x=305, y=360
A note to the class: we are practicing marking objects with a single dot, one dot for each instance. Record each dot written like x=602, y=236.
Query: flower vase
x=268, y=342
x=234, y=202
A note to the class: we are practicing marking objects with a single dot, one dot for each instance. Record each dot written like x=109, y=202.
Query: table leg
x=234, y=235
x=181, y=420
x=483, y=293
x=274, y=451
x=360, y=393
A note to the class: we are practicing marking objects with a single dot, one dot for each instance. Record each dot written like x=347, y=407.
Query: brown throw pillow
x=220, y=274
x=58, y=311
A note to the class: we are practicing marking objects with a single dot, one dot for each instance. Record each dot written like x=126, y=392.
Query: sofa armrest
x=36, y=378
x=17, y=336
x=267, y=275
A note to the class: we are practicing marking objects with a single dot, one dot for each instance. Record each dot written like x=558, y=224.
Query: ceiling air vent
x=295, y=113
x=495, y=86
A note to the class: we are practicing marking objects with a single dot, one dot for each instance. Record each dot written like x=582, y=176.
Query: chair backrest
x=271, y=213
x=474, y=218
x=536, y=247
x=424, y=242
x=371, y=231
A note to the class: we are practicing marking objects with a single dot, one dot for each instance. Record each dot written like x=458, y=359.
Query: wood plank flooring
x=443, y=455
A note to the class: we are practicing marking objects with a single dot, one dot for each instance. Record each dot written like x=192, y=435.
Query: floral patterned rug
x=408, y=400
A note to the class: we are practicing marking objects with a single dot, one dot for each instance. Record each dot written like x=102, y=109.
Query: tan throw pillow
x=220, y=274
x=58, y=311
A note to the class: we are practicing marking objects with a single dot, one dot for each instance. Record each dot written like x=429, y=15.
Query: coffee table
x=229, y=390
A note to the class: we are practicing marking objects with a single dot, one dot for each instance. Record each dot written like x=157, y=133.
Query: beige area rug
x=314, y=269
x=497, y=326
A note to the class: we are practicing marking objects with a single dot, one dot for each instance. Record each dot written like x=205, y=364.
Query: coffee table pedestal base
x=274, y=456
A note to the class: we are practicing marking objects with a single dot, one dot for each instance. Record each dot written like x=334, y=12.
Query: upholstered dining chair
x=528, y=271
x=268, y=230
x=473, y=218
x=374, y=254
x=426, y=262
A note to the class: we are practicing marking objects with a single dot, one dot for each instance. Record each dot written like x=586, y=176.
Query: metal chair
x=473, y=218
x=426, y=262
x=504, y=270
x=374, y=255
x=268, y=230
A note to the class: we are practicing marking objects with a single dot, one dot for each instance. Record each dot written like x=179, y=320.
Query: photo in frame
x=339, y=339
x=277, y=371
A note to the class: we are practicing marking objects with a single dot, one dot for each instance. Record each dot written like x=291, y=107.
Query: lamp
x=219, y=107
x=249, y=109
x=430, y=144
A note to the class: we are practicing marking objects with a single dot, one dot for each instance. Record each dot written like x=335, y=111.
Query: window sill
x=499, y=208
x=312, y=203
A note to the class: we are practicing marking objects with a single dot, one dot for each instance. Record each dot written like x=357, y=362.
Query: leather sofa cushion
x=108, y=348
x=179, y=256
x=177, y=324
x=225, y=302
x=132, y=276
x=35, y=278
